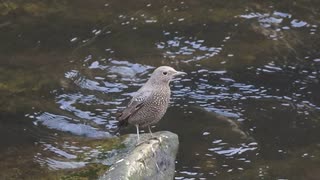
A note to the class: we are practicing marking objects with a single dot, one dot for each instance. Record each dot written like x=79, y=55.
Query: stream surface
x=249, y=107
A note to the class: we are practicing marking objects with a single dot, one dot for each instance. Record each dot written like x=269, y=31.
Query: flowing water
x=249, y=107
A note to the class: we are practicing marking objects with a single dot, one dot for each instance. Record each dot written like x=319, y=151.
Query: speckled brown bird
x=150, y=102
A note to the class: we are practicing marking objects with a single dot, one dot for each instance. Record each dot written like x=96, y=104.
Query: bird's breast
x=154, y=108
x=161, y=97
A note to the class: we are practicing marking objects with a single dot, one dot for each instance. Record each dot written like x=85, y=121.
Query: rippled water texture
x=249, y=107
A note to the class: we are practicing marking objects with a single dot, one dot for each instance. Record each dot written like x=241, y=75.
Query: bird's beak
x=179, y=73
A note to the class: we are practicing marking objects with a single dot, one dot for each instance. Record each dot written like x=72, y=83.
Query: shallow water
x=248, y=109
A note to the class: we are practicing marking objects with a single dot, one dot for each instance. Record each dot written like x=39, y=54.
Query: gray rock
x=153, y=159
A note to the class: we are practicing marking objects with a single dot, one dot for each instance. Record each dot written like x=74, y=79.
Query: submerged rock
x=108, y=158
x=152, y=159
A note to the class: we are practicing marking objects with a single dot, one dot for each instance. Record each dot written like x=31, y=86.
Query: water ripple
x=65, y=124
x=187, y=48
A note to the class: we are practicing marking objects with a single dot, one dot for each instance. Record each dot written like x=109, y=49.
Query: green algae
x=18, y=81
x=94, y=167
x=90, y=171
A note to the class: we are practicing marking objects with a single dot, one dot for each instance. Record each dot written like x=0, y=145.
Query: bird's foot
x=142, y=142
x=139, y=143
x=155, y=138
x=147, y=141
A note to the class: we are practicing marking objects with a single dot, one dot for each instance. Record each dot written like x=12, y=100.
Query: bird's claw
x=148, y=141
x=155, y=138
x=139, y=143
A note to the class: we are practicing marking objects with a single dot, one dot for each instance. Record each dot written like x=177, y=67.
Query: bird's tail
x=121, y=123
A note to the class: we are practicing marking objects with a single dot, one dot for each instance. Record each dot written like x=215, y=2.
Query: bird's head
x=164, y=74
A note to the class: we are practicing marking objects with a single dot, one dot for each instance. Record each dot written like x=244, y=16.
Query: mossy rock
x=90, y=171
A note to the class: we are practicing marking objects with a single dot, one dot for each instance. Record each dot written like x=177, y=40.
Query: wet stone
x=154, y=158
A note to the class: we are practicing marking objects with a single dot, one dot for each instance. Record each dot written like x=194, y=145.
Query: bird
x=149, y=104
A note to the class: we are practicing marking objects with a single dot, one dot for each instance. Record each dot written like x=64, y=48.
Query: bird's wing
x=137, y=102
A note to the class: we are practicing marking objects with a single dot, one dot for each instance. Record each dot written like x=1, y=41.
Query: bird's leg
x=138, y=141
x=150, y=131
x=152, y=136
x=137, y=126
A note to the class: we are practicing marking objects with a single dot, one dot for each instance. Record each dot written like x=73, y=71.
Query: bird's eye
x=164, y=73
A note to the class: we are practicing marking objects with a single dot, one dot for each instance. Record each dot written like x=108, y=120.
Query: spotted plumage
x=151, y=101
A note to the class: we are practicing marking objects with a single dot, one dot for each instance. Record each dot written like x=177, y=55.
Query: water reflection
x=187, y=48
x=232, y=151
x=65, y=124
x=217, y=91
